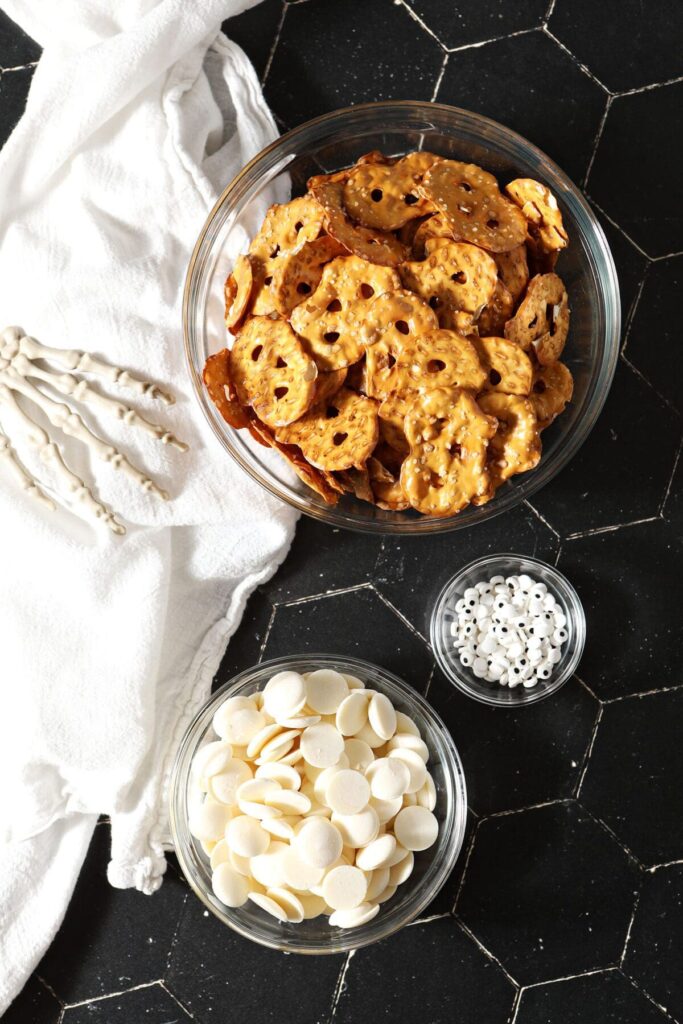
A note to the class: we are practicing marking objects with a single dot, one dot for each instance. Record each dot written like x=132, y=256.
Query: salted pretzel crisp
x=507, y=367
x=540, y=208
x=369, y=243
x=272, y=371
x=551, y=391
x=516, y=445
x=339, y=433
x=389, y=322
x=285, y=227
x=385, y=196
x=238, y=288
x=541, y=322
x=454, y=275
x=440, y=359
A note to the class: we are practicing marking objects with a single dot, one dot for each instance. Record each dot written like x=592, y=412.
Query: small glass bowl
x=507, y=565
x=432, y=867
x=336, y=140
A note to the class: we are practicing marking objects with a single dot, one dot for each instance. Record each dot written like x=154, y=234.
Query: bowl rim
x=611, y=308
x=456, y=773
x=494, y=698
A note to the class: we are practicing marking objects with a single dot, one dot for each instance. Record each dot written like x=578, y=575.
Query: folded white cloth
x=139, y=113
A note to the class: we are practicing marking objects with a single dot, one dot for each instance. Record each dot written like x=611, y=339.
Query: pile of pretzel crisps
x=398, y=331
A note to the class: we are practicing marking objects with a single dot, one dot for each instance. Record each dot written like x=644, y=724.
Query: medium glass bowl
x=464, y=678
x=334, y=141
x=432, y=867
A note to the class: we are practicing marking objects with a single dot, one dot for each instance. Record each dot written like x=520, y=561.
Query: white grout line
x=48, y=987
x=597, y=530
x=278, y=32
x=518, y=994
x=548, y=13
x=176, y=1000
x=572, y=977
x=468, y=854
x=610, y=831
x=647, y=995
x=644, y=693
x=324, y=594
x=630, y=316
x=666, y=864
x=112, y=995
x=575, y=60
x=428, y=920
x=437, y=85
x=666, y=256
x=423, y=25
x=617, y=226
x=587, y=688
x=266, y=635
x=671, y=480
x=413, y=629
x=649, y=383
x=650, y=87
x=630, y=927
x=429, y=682
x=494, y=39
x=340, y=985
x=531, y=807
x=19, y=67
x=486, y=952
x=542, y=518
x=598, y=136
x=558, y=555
x=589, y=751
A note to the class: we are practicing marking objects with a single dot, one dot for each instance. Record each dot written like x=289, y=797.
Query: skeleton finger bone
x=26, y=482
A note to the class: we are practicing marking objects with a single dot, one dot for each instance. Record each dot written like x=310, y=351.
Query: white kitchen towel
x=139, y=113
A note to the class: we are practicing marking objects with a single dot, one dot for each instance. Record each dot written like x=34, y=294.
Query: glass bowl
x=334, y=141
x=432, y=867
x=507, y=565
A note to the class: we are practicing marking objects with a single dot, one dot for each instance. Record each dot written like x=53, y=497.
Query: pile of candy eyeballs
x=313, y=799
x=509, y=631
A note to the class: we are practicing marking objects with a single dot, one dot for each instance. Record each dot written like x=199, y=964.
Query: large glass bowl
x=334, y=141
x=432, y=866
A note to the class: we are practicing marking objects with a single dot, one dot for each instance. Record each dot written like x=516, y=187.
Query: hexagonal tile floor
x=566, y=904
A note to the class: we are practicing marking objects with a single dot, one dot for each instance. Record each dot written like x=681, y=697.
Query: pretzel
x=272, y=372
x=356, y=482
x=452, y=274
x=551, y=391
x=328, y=384
x=385, y=487
x=448, y=436
x=370, y=244
x=508, y=368
x=284, y=228
x=312, y=477
x=457, y=320
x=385, y=196
x=298, y=272
x=337, y=434
x=542, y=319
x=238, y=288
x=392, y=414
x=516, y=445
x=388, y=321
x=355, y=375
x=472, y=204
x=497, y=312
x=328, y=320
x=439, y=359
x=542, y=213
x=513, y=270
x=435, y=226
x=219, y=384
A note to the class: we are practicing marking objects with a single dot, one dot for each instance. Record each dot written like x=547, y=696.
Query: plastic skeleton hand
x=24, y=366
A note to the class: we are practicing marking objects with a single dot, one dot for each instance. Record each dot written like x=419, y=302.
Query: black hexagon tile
x=16, y=48
x=359, y=624
x=460, y=24
x=653, y=956
x=630, y=584
x=515, y=758
x=444, y=901
x=331, y=55
x=641, y=200
x=33, y=1005
x=14, y=87
x=607, y=997
x=218, y=975
x=630, y=264
x=411, y=571
x=111, y=939
x=625, y=43
x=635, y=765
x=322, y=559
x=148, y=1005
x=451, y=980
x=255, y=31
x=595, y=491
x=548, y=892
x=530, y=84
x=654, y=338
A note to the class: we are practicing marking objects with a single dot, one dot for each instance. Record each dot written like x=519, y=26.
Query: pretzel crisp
x=328, y=320
x=435, y=226
x=368, y=243
x=497, y=311
x=541, y=322
x=388, y=322
x=298, y=272
x=285, y=227
x=448, y=436
x=442, y=359
x=513, y=270
x=337, y=434
x=328, y=384
x=385, y=196
x=272, y=372
x=238, y=288
x=540, y=208
x=454, y=275
x=312, y=477
x=516, y=445
x=551, y=391
x=221, y=391
x=392, y=414
x=386, y=488
x=507, y=367
x=471, y=202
